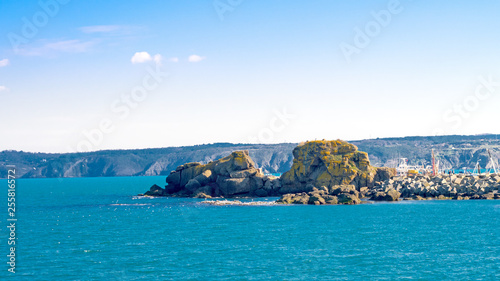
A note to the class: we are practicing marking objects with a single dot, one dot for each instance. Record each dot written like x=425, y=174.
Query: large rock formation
x=233, y=175
x=330, y=163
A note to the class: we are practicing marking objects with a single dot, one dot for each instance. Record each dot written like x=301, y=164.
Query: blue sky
x=243, y=71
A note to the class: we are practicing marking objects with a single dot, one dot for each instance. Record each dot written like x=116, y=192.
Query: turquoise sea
x=95, y=229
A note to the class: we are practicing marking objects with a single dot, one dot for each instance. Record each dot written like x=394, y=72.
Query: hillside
x=452, y=151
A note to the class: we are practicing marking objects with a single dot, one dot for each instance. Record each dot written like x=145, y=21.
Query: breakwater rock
x=330, y=163
x=338, y=194
x=420, y=187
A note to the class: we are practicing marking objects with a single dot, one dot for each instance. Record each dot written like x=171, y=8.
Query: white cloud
x=70, y=46
x=99, y=28
x=4, y=62
x=174, y=59
x=158, y=59
x=49, y=48
x=3, y=88
x=112, y=30
x=195, y=58
x=141, y=57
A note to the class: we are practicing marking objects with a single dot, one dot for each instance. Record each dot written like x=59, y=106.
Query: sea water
x=97, y=229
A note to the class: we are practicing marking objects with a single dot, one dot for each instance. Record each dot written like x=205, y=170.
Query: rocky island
x=323, y=172
x=232, y=176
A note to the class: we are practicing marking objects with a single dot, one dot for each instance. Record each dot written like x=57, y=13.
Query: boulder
x=155, y=190
x=203, y=192
x=384, y=173
x=348, y=199
x=363, y=191
x=202, y=195
x=230, y=186
x=204, y=178
x=488, y=196
x=300, y=199
x=192, y=185
x=244, y=173
x=330, y=199
x=391, y=195
x=337, y=189
x=285, y=199
x=316, y=199
x=261, y=192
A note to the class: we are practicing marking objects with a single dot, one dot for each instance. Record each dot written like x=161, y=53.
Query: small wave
x=143, y=197
x=237, y=203
x=129, y=204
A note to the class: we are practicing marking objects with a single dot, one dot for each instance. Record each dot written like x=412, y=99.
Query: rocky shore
x=323, y=172
x=337, y=194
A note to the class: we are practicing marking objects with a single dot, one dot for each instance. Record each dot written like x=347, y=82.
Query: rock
x=204, y=178
x=439, y=186
x=328, y=163
x=488, y=196
x=316, y=200
x=379, y=196
x=268, y=184
x=232, y=175
x=348, y=199
x=344, y=194
x=331, y=200
x=192, y=185
x=363, y=191
x=244, y=173
x=155, y=190
x=285, y=199
x=261, y=192
x=187, y=165
x=391, y=195
x=203, y=192
x=384, y=173
x=300, y=199
x=338, y=189
x=202, y=195
x=230, y=186
x=170, y=189
x=174, y=178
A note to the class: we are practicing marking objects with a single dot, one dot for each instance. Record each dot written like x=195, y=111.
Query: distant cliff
x=452, y=151
x=275, y=158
